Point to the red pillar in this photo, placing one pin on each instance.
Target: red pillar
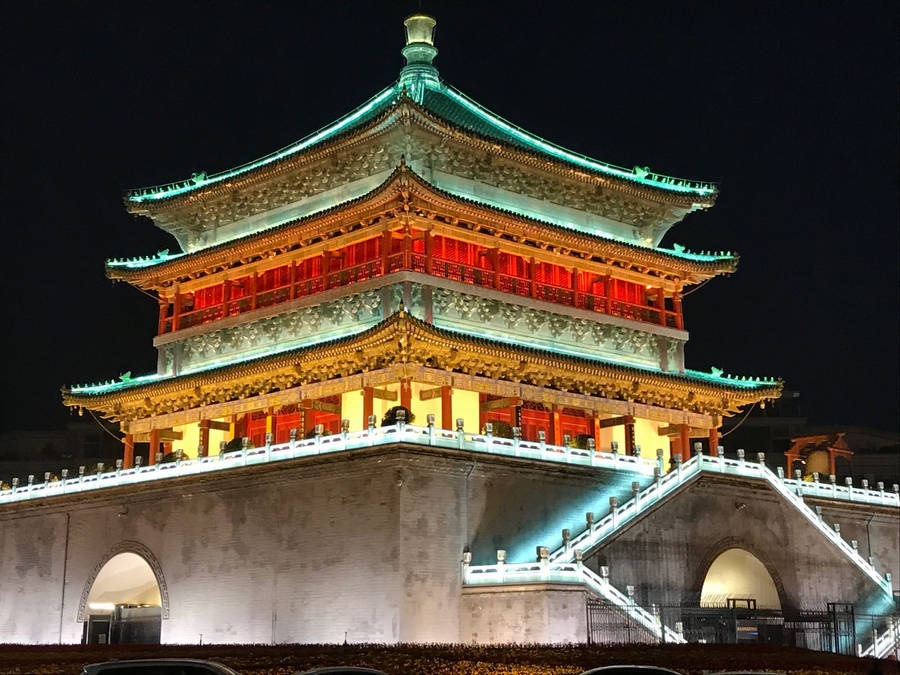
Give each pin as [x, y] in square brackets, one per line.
[326, 267]
[447, 408]
[292, 293]
[629, 435]
[684, 440]
[368, 405]
[226, 296]
[831, 466]
[713, 440]
[128, 458]
[176, 311]
[495, 263]
[555, 426]
[532, 276]
[204, 439]
[386, 239]
[407, 248]
[428, 251]
[154, 446]
[661, 305]
[676, 306]
[163, 310]
[253, 284]
[596, 431]
[406, 393]
[790, 458]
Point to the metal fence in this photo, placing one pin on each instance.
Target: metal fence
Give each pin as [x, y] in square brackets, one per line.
[838, 628]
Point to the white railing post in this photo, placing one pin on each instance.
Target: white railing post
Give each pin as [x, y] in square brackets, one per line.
[720, 456]
[430, 420]
[740, 456]
[501, 564]
[542, 441]
[460, 434]
[345, 432]
[636, 495]
[566, 538]
[269, 438]
[589, 519]
[516, 439]
[677, 459]
[613, 507]
[466, 562]
[370, 429]
[543, 556]
[488, 436]
[661, 469]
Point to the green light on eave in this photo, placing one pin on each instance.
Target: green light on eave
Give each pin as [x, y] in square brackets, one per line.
[146, 261]
[202, 180]
[637, 174]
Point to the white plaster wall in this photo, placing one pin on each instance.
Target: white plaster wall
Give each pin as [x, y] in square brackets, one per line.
[368, 544]
[32, 555]
[527, 613]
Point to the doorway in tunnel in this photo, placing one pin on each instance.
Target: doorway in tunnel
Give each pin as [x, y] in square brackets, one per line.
[124, 605]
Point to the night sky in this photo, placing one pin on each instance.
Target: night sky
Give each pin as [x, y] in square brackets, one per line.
[793, 110]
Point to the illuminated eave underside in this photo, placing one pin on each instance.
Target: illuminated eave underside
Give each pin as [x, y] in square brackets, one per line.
[165, 266]
[495, 130]
[405, 339]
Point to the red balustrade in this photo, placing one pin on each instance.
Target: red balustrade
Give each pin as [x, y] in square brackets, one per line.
[448, 259]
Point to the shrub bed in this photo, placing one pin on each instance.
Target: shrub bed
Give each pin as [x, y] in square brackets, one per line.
[451, 659]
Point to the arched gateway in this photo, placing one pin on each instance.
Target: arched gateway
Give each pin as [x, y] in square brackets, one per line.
[124, 598]
[737, 575]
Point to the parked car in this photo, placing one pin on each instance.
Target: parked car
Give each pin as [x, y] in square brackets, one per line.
[630, 670]
[198, 667]
[158, 667]
[341, 670]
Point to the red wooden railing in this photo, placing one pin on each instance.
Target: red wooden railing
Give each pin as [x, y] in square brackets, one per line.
[181, 314]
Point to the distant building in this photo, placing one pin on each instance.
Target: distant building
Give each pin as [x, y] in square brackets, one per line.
[24, 453]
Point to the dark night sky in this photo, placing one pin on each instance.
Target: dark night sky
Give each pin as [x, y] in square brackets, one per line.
[794, 110]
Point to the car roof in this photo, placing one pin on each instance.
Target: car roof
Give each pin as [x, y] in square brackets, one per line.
[612, 668]
[91, 668]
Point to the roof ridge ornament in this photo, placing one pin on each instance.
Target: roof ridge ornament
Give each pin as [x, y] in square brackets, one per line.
[419, 52]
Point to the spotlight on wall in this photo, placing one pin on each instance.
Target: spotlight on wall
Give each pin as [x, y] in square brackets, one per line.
[740, 506]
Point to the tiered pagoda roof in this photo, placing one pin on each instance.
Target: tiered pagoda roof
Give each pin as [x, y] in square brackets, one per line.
[403, 188]
[421, 100]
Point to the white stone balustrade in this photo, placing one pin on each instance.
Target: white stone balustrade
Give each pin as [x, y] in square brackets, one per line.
[321, 444]
[792, 491]
[568, 572]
